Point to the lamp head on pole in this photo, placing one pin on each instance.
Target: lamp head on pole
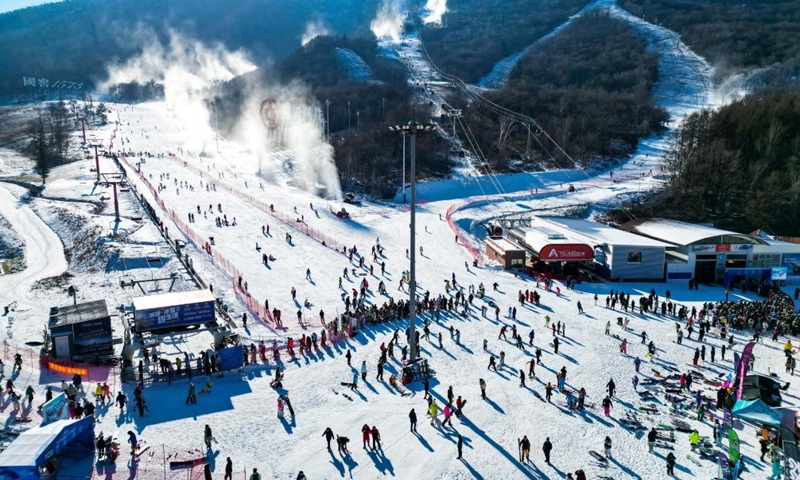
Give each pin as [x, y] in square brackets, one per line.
[413, 128]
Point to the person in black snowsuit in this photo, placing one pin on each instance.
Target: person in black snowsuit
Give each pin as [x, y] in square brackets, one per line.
[412, 417]
[547, 447]
[328, 434]
[670, 464]
[611, 387]
[229, 469]
[342, 443]
[459, 445]
[525, 447]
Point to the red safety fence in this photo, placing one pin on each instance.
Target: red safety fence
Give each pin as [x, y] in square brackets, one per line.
[254, 305]
[269, 209]
[35, 360]
[474, 251]
[462, 239]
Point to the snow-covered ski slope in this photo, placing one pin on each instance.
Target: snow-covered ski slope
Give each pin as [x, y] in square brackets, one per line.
[355, 65]
[684, 86]
[242, 408]
[499, 74]
[44, 252]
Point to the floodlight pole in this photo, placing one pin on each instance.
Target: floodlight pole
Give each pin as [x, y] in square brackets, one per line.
[412, 129]
[404, 169]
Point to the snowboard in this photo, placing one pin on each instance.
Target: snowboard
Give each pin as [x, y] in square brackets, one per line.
[597, 456]
[141, 451]
[206, 389]
[692, 459]
[343, 394]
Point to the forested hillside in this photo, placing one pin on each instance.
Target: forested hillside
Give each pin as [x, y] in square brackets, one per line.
[73, 40]
[735, 33]
[740, 166]
[589, 86]
[477, 33]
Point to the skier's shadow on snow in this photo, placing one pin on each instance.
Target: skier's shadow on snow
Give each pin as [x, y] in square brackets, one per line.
[336, 463]
[625, 469]
[513, 460]
[382, 463]
[351, 464]
[211, 458]
[286, 425]
[472, 471]
[494, 405]
[423, 441]
[570, 359]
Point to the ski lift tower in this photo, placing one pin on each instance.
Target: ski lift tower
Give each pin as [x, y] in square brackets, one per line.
[96, 145]
[412, 129]
[114, 179]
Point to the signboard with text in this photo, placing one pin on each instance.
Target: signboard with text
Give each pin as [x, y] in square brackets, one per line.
[178, 315]
[722, 248]
[566, 253]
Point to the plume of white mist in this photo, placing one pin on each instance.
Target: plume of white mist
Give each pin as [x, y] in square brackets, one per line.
[187, 69]
[435, 9]
[388, 21]
[314, 29]
[298, 140]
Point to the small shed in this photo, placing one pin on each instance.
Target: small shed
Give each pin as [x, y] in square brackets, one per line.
[507, 253]
[26, 457]
[81, 330]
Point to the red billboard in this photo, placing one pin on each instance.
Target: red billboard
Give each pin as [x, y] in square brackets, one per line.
[566, 252]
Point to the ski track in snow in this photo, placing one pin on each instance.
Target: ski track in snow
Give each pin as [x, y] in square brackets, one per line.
[500, 72]
[44, 252]
[355, 65]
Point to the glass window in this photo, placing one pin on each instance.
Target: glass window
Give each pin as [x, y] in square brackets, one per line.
[634, 257]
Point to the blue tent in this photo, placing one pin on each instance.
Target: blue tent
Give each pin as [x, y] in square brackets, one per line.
[758, 412]
[26, 455]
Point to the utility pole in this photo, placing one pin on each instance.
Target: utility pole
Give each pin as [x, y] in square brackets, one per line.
[348, 115]
[358, 120]
[413, 129]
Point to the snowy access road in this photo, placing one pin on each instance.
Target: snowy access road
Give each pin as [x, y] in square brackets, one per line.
[44, 252]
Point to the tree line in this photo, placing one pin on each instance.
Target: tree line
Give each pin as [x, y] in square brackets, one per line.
[739, 166]
[476, 34]
[589, 87]
[734, 33]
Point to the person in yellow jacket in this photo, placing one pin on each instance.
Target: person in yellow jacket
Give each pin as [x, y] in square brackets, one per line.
[98, 393]
[787, 347]
[694, 439]
[433, 410]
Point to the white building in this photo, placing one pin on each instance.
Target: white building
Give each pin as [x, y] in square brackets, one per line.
[712, 255]
[610, 252]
